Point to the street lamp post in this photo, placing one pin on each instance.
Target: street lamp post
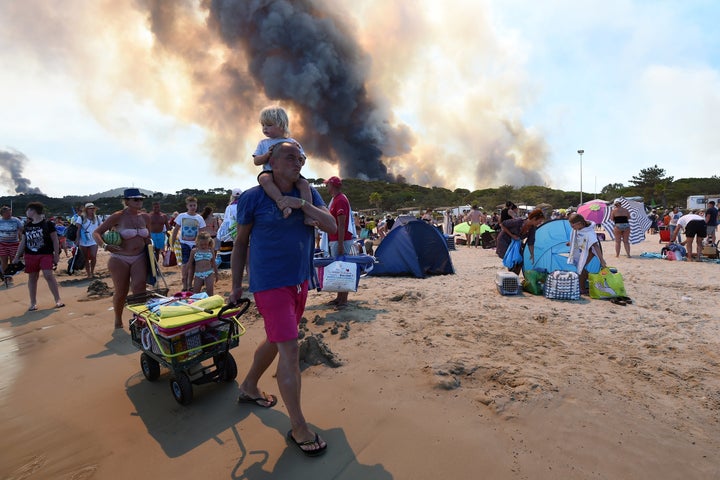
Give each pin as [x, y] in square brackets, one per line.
[581, 154]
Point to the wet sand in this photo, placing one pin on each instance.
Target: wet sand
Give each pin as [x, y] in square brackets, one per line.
[440, 378]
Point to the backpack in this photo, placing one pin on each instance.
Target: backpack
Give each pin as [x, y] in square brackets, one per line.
[76, 262]
[71, 232]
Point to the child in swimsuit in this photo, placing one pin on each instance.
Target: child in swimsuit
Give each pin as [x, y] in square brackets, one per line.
[202, 266]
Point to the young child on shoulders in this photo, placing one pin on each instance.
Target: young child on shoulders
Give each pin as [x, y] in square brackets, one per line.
[275, 126]
[202, 265]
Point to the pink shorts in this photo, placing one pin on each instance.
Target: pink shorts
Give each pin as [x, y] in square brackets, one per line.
[282, 309]
[8, 249]
[35, 263]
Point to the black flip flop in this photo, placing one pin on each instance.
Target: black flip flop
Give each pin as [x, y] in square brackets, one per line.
[618, 301]
[270, 399]
[310, 453]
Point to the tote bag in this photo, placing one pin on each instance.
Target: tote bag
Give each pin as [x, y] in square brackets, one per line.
[607, 283]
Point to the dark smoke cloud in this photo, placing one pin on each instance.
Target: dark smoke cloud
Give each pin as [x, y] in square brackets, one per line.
[300, 53]
[12, 164]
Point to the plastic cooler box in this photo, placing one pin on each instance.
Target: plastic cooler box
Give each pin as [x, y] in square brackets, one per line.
[508, 283]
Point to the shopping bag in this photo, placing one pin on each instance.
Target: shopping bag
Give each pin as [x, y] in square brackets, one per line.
[607, 283]
[562, 285]
[534, 281]
[340, 276]
[512, 255]
[169, 258]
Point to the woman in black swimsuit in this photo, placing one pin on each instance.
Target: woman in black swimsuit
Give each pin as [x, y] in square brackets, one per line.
[621, 216]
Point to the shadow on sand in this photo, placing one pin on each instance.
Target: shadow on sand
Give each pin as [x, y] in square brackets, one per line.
[180, 429]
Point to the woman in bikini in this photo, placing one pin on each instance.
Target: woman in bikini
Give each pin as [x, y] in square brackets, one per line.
[127, 263]
[621, 216]
[202, 266]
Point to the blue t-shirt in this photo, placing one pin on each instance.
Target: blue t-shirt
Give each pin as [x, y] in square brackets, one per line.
[281, 249]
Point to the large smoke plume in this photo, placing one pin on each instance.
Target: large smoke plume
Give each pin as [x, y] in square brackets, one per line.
[12, 164]
[375, 89]
[301, 55]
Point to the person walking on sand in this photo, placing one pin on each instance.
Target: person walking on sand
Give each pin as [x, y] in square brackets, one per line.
[281, 253]
[127, 264]
[10, 232]
[41, 248]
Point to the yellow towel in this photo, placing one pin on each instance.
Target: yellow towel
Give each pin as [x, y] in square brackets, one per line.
[168, 311]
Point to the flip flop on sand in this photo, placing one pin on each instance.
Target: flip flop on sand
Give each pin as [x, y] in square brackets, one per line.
[266, 401]
[59, 305]
[32, 308]
[310, 452]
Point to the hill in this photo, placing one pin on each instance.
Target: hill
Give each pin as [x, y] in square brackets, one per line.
[376, 197]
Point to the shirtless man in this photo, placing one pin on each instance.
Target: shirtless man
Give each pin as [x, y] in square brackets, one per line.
[159, 225]
[475, 218]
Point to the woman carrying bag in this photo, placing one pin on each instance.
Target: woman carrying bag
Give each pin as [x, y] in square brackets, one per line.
[519, 229]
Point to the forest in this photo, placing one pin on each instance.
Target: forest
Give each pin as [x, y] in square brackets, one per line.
[376, 197]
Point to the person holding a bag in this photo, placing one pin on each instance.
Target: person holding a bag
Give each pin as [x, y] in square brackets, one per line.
[584, 246]
[519, 229]
[281, 264]
[340, 210]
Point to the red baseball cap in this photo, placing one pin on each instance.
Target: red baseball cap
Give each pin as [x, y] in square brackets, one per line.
[334, 181]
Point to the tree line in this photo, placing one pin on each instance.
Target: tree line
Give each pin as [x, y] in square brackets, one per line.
[652, 184]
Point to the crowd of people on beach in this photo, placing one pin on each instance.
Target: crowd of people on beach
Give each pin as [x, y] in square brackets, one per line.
[273, 231]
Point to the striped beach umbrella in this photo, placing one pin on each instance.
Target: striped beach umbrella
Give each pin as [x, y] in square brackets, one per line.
[639, 221]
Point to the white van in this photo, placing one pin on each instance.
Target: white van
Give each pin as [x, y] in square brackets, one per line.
[699, 202]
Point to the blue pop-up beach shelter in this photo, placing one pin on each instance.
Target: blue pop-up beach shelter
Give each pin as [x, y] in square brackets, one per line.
[414, 249]
[552, 249]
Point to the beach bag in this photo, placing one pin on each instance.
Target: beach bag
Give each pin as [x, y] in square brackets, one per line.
[71, 232]
[607, 283]
[534, 281]
[562, 285]
[676, 249]
[340, 276]
[169, 258]
[76, 262]
[512, 255]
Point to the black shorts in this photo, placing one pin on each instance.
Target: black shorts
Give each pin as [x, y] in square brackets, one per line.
[696, 228]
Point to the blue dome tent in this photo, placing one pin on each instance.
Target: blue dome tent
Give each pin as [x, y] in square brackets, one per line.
[415, 249]
[552, 250]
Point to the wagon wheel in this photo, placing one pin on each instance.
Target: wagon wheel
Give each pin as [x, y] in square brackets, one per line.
[181, 388]
[150, 367]
[226, 366]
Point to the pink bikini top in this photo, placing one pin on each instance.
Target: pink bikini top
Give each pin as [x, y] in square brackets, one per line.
[134, 232]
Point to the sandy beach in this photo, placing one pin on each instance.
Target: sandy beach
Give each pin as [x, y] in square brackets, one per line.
[439, 378]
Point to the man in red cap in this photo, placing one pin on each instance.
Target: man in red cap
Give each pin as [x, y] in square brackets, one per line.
[341, 242]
